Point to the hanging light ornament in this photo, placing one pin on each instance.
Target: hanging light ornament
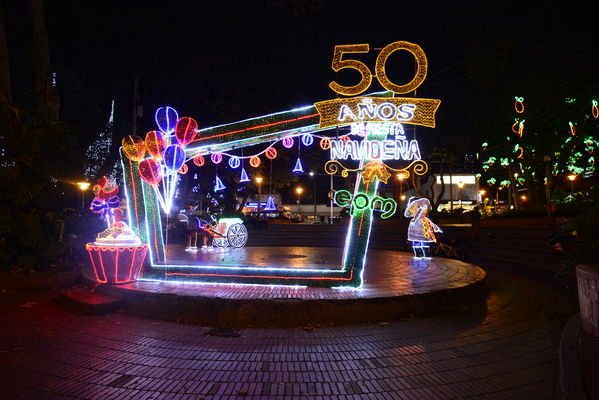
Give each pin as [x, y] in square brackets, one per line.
[572, 128]
[255, 161]
[216, 158]
[325, 143]
[184, 169]
[244, 176]
[199, 161]
[271, 153]
[218, 184]
[298, 169]
[234, 162]
[594, 109]
[307, 139]
[288, 142]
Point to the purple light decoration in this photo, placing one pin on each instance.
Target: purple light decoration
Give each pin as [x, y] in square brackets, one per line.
[270, 204]
[218, 184]
[288, 142]
[307, 139]
[244, 176]
[216, 158]
[166, 118]
[298, 169]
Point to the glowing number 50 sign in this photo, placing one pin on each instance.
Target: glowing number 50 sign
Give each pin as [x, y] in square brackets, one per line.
[381, 60]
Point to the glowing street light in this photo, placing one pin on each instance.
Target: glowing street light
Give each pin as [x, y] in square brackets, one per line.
[460, 186]
[572, 178]
[400, 178]
[299, 191]
[83, 186]
[259, 182]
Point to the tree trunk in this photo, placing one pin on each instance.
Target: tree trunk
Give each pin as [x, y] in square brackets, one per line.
[46, 97]
[5, 88]
[513, 187]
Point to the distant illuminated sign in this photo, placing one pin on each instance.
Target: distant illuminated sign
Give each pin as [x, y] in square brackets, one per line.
[254, 204]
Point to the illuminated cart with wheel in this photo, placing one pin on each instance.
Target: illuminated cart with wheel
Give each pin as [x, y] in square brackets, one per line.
[229, 232]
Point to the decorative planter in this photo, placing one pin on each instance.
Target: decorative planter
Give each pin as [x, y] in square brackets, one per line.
[116, 264]
[588, 297]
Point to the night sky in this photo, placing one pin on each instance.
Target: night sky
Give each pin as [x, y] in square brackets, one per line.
[220, 62]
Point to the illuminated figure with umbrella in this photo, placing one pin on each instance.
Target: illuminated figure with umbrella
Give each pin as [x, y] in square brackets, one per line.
[421, 230]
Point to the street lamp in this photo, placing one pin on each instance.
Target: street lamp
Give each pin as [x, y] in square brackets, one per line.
[259, 182]
[299, 191]
[83, 186]
[460, 186]
[572, 178]
[400, 178]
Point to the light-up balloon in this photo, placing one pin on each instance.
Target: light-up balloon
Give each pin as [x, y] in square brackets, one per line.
[166, 118]
[186, 130]
[150, 171]
[174, 157]
[156, 143]
[134, 147]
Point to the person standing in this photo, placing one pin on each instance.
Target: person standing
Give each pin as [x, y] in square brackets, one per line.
[475, 216]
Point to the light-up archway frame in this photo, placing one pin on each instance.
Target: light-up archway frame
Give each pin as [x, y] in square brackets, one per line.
[144, 209]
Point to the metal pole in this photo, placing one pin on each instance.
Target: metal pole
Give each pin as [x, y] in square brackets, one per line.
[314, 194]
[331, 218]
[259, 198]
[134, 128]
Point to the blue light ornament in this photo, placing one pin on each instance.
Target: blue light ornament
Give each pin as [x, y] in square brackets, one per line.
[166, 118]
[174, 157]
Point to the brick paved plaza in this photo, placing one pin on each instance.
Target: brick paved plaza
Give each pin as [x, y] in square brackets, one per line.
[506, 351]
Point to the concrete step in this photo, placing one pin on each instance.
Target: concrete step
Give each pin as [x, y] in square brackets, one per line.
[88, 301]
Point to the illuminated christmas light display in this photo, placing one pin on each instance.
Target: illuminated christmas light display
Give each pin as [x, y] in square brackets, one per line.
[270, 204]
[234, 162]
[197, 160]
[288, 142]
[117, 255]
[298, 168]
[244, 176]
[421, 230]
[255, 161]
[519, 104]
[379, 137]
[218, 184]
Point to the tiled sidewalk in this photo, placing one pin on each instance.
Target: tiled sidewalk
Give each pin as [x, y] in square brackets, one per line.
[508, 351]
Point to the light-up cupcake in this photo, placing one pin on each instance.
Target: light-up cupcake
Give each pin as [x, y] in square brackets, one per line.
[119, 234]
[117, 255]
